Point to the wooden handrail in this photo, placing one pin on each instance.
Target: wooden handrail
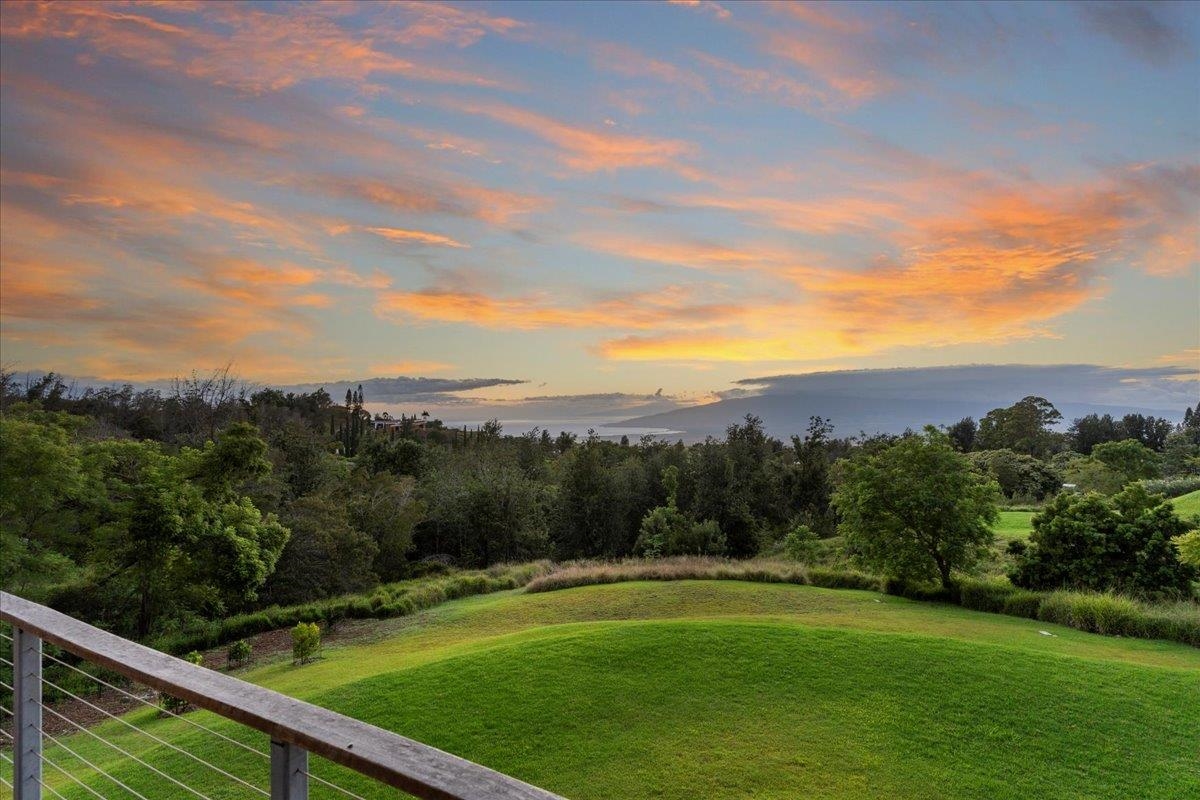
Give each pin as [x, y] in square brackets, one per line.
[389, 758]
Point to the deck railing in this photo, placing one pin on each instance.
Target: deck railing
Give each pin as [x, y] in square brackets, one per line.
[295, 728]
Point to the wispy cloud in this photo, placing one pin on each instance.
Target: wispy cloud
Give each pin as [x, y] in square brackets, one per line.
[587, 149]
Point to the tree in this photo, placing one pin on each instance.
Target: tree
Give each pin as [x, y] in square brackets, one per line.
[666, 531]
[1088, 431]
[1150, 431]
[1180, 455]
[1023, 427]
[810, 487]
[1128, 458]
[1019, 476]
[962, 434]
[172, 534]
[386, 508]
[916, 509]
[326, 555]
[1105, 543]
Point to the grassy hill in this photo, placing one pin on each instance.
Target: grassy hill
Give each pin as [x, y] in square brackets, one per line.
[1188, 505]
[730, 689]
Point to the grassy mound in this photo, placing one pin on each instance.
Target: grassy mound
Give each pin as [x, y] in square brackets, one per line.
[1188, 505]
[729, 689]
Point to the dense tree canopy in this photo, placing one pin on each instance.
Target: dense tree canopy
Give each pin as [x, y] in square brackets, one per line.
[144, 511]
[1024, 427]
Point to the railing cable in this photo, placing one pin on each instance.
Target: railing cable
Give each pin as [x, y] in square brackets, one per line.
[146, 702]
[72, 777]
[59, 743]
[126, 753]
[333, 786]
[49, 788]
[163, 742]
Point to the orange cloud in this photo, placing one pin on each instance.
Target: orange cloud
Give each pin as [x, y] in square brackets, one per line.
[692, 254]
[671, 305]
[590, 150]
[496, 206]
[774, 84]
[625, 60]
[409, 367]
[403, 236]
[257, 50]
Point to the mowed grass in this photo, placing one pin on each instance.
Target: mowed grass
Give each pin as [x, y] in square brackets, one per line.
[1188, 505]
[725, 689]
[1014, 525]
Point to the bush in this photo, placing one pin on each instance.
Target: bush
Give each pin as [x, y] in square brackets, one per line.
[925, 592]
[1097, 543]
[1172, 487]
[239, 654]
[801, 544]
[306, 641]
[1108, 614]
[842, 579]
[381, 603]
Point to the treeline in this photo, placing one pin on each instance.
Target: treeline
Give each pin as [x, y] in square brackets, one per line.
[1031, 460]
[148, 511]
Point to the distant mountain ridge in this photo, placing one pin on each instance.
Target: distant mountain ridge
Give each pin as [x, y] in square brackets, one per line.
[889, 401]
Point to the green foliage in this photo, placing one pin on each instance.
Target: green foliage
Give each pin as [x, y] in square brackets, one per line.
[1188, 546]
[962, 434]
[397, 456]
[800, 544]
[1020, 477]
[1024, 427]
[666, 531]
[326, 555]
[1173, 487]
[239, 653]
[1092, 542]
[381, 602]
[1128, 458]
[1114, 615]
[480, 510]
[1181, 453]
[306, 642]
[916, 509]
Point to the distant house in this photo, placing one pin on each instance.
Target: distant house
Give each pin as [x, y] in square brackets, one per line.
[386, 422]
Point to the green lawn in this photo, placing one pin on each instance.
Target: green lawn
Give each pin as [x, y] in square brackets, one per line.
[1014, 525]
[724, 689]
[1188, 505]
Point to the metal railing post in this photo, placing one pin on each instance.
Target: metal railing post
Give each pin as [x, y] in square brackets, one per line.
[289, 771]
[27, 715]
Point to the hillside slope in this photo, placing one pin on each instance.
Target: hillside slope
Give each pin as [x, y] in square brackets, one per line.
[727, 689]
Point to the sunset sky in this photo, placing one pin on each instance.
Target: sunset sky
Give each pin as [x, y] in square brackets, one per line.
[597, 197]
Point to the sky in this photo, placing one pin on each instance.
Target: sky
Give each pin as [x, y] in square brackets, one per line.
[598, 197]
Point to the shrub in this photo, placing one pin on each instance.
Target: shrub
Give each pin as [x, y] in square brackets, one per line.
[239, 653]
[801, 544]
[1105, 544]
[1172, 487]
[1022, 603]
[306, 641]
[1188, 546]
[842, 579]
[989, 596]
